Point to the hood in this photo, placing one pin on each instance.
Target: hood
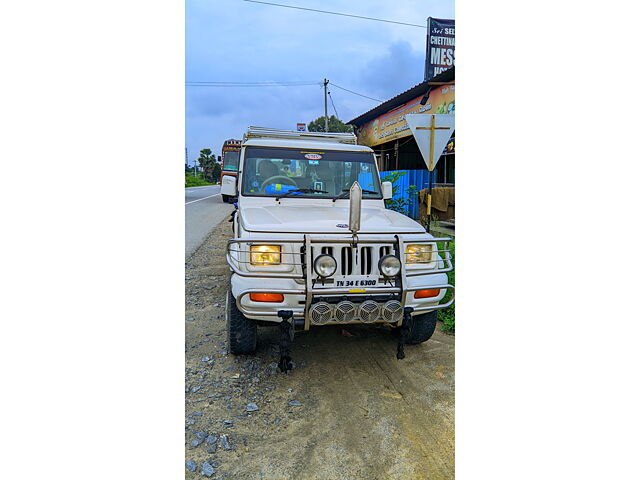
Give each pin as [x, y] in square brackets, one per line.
[324, 219]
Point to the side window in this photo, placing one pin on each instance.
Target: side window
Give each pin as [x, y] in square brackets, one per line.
[251, 179]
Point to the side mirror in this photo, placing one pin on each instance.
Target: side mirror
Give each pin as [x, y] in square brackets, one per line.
[229, 185]
[387, 190]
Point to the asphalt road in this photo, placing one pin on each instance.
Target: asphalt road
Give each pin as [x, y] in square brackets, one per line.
[204, 210]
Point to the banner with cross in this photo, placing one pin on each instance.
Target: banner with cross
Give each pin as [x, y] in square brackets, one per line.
[432, 133]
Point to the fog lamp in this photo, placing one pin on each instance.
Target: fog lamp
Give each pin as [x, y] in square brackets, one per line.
[389, 266]
[325, 265]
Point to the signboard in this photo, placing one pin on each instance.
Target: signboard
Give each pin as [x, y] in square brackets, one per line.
[441, 46]
[302, 127]
[392, 125]
[432, 133]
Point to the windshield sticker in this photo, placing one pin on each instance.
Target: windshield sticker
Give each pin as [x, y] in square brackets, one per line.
[313, 156]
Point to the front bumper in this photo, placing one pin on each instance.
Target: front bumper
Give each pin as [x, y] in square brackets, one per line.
[301, 292]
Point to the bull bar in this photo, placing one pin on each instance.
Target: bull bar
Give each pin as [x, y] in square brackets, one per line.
[302, 270]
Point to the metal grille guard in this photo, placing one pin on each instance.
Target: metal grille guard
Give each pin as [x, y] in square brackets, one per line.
[237, 257]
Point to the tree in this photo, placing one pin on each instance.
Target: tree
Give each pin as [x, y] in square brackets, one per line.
[335, 125]
[207, 161]
[217, 170]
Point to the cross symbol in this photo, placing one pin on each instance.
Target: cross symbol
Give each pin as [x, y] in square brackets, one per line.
[432, 128]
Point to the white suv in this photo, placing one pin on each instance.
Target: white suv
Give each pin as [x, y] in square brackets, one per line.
[314, 244]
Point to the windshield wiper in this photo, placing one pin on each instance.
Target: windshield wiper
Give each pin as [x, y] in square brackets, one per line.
[347, 190]
[301, 190]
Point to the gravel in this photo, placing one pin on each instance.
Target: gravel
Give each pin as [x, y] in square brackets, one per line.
[268, 442]
[191, 465]
[207, 469]
[252, 407]
[224, 441]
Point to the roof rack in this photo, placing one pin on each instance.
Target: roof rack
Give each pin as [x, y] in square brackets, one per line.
[331, 137]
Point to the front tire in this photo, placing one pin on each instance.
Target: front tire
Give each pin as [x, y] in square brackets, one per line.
[225, 198]
[242, 332]
[422, 327]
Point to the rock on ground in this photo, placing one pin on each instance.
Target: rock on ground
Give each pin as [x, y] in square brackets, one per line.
[207, 469]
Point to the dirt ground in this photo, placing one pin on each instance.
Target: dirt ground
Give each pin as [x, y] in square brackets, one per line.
[362, 413]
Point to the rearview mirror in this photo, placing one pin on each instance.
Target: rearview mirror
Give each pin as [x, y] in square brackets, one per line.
[229, 185]
[387, 190]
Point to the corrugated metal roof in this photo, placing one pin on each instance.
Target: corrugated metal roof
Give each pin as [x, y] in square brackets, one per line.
[413, 92]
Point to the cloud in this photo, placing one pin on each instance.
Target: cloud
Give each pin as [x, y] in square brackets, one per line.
[230, 40]
[399, 69]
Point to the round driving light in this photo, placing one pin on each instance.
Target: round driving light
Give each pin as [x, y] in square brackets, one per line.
[389, 266]
[325, 265]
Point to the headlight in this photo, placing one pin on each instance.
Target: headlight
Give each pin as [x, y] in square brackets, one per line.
[325, 265]
[265, 254]
[389, 266]
[422, 253]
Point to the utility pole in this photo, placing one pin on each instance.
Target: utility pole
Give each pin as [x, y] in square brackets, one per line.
[326, 118]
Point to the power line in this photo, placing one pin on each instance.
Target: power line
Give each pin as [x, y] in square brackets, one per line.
[252, 84]
[267, 82]
[336, 13]
[355, 93]
[292, 83]
[334, 106]
[272, 85]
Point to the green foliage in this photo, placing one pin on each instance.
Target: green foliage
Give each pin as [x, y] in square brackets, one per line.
[400, 205]
[217, 170]
[335, 125]
[208, 164]
[190, 180]
[448, 315]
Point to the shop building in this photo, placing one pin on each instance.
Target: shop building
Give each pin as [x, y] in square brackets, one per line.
[385, 130]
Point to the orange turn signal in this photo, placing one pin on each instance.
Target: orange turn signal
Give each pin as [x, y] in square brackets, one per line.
[266, 297]
[427, 293]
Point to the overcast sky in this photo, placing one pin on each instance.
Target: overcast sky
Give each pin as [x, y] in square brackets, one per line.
[234, 40]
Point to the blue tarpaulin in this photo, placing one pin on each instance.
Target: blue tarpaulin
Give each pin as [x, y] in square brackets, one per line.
[419, 178]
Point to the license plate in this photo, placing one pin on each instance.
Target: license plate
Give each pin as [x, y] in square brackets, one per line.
[354, 281]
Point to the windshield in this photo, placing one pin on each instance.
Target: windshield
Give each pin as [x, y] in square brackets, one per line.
[320, 174]
[231, 160]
